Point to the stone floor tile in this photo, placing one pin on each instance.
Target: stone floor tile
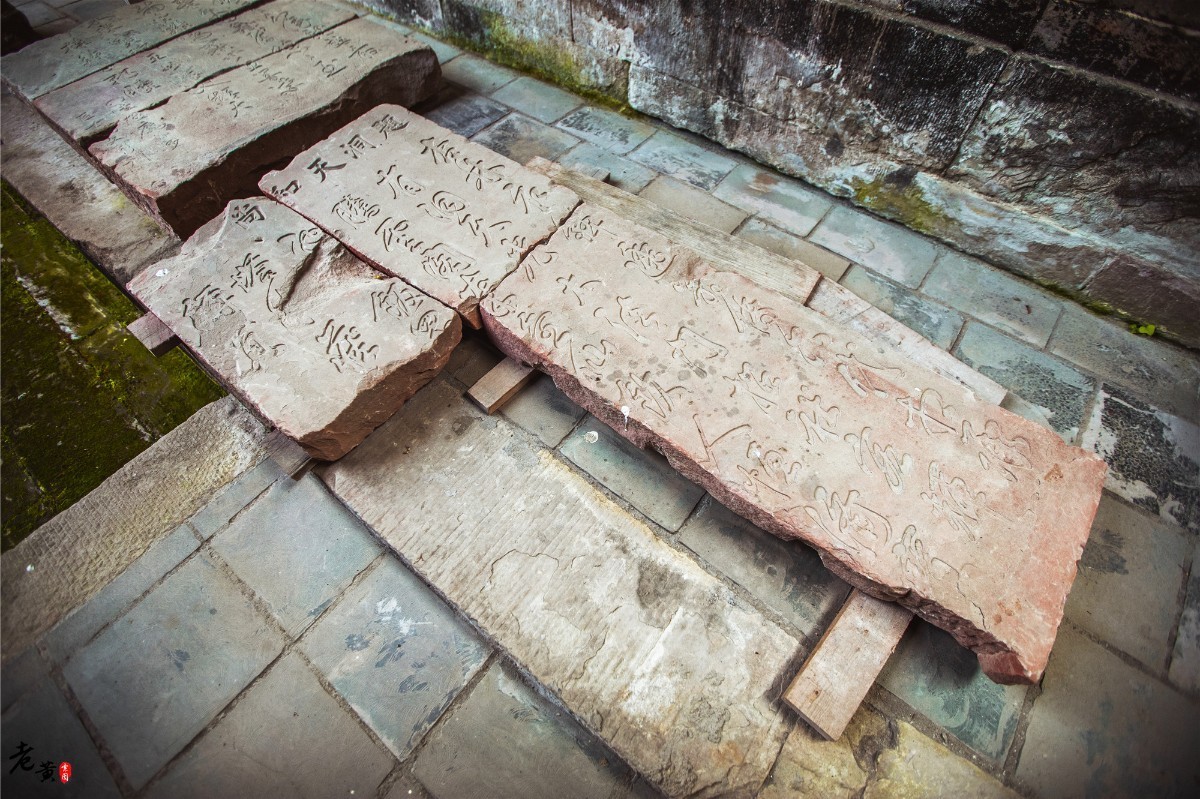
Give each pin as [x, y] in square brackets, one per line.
[931, 319]
[444, 52]
[888, 249]
[610, 130]
[473, 358]
[163, 671]
[674, 155]
[1104, 729]
[52, 3]
[78, 628]
[994, 296]
[544, 411]
[477, 74]
[84, 10]
[297, 548]
[521, 138]
[505, 741]
[462, 111]
[1185, 661]
[1050, 384]
[642, 478]
[396, 652]
[55, 27]
[19, 674]
[1127, 589]
[771, 238]
[39, 13]
[1153, 457]
[623, 173]
[285, 737]
[43, 721]
[540, 100]
[941, 679]
[235, 496]
[784, 201]
[693, 203]
[787, 576]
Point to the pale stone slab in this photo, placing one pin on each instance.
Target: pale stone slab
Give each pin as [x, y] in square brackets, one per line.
[656, 656]
[46, 65]
[320, 344]
[913, 488]
[183, 160]
[90, 107]
[424, 204]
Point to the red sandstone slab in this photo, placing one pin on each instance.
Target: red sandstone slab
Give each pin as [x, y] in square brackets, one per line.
[321, 345]
[46, 65]
[88, 108]
[448, 216]
[183, 160]
[910, 487]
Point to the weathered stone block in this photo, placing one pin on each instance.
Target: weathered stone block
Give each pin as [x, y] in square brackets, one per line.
[297, 326]
[1006, 21]
[1151, 291]
[184, 160]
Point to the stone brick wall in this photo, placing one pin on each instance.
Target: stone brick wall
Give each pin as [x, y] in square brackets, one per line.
[1057, 138]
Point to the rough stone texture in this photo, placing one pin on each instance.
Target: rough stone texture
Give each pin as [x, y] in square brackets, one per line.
[653, 654]
[674, 155]
[520, 138]
[297, 326]
[417, 201]
[88, 108]
[782, 201]
[461, 111]
[46, 65]
[1185, 660]
[544, 411]
[228, 503]
[693, 203]
[932, 320]
[607, 129]
[185, 159]
[918, 487]
[1151, 290]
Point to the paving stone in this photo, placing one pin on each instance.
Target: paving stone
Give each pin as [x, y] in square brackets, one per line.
[478, 74]
[888, 249]
[520, 138]
[55, 27]
[1185, 661]
[92, 9]
[198, 643]
[677, 157]
[505, 741]
[37, 13]
[444, 52]
[446, 215]
[553, 570]
[297, 547]
[779, 241]
[610, 130]
[1060, 391]
[990, 295]
[184, 160]
[278, 311]
[90, 107]
[693, 203]
[932, 320]
[48, 64]
[20, 673]
[539, 100]
[642, 478]
[1130, 577]
[472, 359]
[622, 173]
[396, 653]
[883, 507]
[1103, 728]
[462, 111]
[544, 411]
[232, 498]
[1153, 457]
[781, 200]
[285, 737]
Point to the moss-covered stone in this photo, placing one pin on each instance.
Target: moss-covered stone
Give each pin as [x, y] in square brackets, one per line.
[897, 197]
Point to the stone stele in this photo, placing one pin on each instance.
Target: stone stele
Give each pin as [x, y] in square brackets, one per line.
[417, 201]
[46, 65]
[183, 160]
[88, 108]
[909, 486]
[318, 343]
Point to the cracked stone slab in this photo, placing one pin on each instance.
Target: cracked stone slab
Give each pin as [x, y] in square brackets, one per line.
[321, 345]
[185, 159]
[446, 215]
[657, 657]
[913, 488]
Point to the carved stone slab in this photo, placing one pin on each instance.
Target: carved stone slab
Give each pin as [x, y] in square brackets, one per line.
[183, 160]
[320, 344]
[46, 65]
[450, 217]
[911, 488]
[88, 108]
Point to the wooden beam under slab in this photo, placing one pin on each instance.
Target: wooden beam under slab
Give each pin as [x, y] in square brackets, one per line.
[287, 454]
[500, 384]
[154, 334]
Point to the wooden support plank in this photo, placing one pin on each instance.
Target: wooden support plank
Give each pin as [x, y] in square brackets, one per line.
[500, 384]
[287, 454]
[153, 333]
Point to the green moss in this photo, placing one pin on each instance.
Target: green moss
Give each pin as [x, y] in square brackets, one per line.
[904, 203]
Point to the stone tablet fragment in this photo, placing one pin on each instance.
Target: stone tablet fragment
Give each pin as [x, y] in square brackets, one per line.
[46, 65]
[321, 345]
[450, 217]
[911, 488]
[88, 108]
[183, 160]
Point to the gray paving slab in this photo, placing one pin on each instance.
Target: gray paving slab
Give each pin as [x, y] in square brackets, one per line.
[931, 319]
[477, 73]
[686, 199]
[1185, 660]
[463, 111]
[506, 742]
[537, 99]
[235, 496]
[622, 173]
[194, 643]
[522, 138]
[544, 411]
[20, 673]
[888, 249]
[781, 200]
[396, 653]
[677, 157]
[92, 9]
[285, 737]
[297, 548]
[769, 237]
[642, 478]
[610, 130]
[38, 13]
[444, 52]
